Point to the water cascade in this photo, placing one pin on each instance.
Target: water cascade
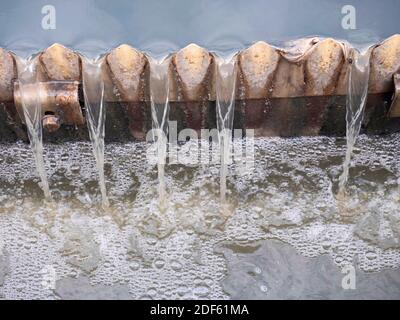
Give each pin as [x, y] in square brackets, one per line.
[355, 105]
[173, 238]
[225, 106]
[93, 89]
[29, 88]
[159, 94]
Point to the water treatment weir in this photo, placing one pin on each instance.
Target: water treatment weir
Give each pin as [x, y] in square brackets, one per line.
[299, 91]
[230, 167]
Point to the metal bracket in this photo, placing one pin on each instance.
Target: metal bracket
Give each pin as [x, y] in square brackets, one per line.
[59, 102]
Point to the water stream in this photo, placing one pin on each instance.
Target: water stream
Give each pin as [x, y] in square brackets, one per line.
[159, 100]
[93, 89]
[32, 110]
[225, 107]
[355, 105]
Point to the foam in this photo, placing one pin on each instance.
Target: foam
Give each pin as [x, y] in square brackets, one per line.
[288, 197]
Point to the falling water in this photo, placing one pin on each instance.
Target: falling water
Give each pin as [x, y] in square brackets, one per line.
[93, 89]
[355, 105]
[30, 92]
[159, 92]
[225, 94]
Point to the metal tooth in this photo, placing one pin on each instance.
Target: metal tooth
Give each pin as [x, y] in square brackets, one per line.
[127, 67]
[192, 85]
[311, 68]
[258, 64]
[385, 61]
[192, 65]
[60, 63]
[125, 81]
[323, 67]
[51, 123]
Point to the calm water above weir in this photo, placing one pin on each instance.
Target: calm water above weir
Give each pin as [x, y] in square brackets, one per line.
[131, 250]
[93, 26]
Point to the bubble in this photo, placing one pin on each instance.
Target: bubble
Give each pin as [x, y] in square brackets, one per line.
[371, 255]
[134, 266]
[177, 254]
[176, 265]
[201, 291]
[159, 263]
[264, 288]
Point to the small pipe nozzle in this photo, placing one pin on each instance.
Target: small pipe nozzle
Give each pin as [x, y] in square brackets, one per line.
[51, 122]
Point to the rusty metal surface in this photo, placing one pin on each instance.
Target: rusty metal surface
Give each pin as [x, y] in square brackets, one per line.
[313, 67]
[7, 75]
[126, 69]
[385, 61]
[193, 70]
[280, 91]
[395, 107]
[59, 98]
[257, 68]
[51, 123]
[193, 87]
[60, 63]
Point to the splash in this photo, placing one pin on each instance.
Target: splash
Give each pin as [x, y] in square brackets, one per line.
[159, 94]
[225, 103]
[93, 89]
[355, 105]
[32, 110]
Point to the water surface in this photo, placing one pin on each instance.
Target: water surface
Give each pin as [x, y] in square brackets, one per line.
[284, 210]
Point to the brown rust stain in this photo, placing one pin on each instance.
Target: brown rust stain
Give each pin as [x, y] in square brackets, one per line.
[192, 67]
[59, 98]
[7, 75]
[394, 111]
[127, 68]
[257, 67]
[385, 61]
[60, 63]
[192, 84]
[289, 80]
[323, 67]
